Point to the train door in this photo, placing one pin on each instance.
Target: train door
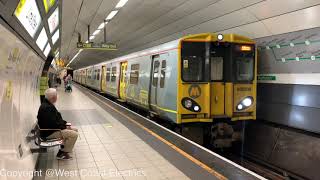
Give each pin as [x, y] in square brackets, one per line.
[217, 57]
[123, 75]
[155, 102]
[103, 79]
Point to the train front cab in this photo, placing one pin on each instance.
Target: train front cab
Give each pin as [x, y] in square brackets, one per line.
[217, 84]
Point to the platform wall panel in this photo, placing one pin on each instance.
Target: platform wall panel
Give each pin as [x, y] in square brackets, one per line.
[20, 69]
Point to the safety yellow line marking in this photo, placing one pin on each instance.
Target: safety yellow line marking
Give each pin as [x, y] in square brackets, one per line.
[196, 161]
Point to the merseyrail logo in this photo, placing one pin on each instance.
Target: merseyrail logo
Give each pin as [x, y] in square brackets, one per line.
[194, 91]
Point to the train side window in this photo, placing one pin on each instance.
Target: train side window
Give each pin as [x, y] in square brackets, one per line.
[108, 74]
[155, 73]
[134, 74]
[98, 76]
[163, 73]
[113, 74]
[216, 68]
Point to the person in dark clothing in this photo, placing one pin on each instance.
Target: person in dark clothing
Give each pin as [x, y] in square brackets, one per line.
[50, 118]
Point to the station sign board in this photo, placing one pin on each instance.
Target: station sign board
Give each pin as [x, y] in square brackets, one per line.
[101, 46]
[267, 78]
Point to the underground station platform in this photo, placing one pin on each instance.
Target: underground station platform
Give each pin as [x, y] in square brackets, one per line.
[117, 143]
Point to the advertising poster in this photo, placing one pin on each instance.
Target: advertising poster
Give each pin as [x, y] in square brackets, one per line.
[48, 4]
[28, 14]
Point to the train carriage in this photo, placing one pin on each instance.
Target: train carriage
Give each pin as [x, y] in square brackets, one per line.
[204, 78]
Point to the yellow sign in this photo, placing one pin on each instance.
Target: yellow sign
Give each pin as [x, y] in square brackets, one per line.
[9, 90]
[185, 64]
[19, 7]
[48, 4]
[60, 62]
[194, 91]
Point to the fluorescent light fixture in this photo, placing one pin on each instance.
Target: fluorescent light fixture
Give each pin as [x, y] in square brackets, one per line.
[29, 16]
[57, 55]
[96, 32]
[53, 20]
[42, 39]
[55, 36]
[112, 14]
[121, 3]
[92, 37]
[74, 57]
[47, 50]
[101, 26]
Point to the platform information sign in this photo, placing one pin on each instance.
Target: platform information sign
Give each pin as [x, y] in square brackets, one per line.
[101, 46]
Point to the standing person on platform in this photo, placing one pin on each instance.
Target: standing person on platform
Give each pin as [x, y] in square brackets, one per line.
[69, 79]
[50, 118]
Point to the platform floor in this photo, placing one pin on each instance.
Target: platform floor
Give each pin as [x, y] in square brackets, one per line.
[106, 149]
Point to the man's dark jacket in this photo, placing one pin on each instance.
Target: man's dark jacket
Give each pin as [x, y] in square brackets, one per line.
[49, 118]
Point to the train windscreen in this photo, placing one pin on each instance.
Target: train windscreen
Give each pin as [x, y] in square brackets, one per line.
[244, 62]
[193, 61]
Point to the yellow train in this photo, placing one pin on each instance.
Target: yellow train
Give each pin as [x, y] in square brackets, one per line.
[208, 79]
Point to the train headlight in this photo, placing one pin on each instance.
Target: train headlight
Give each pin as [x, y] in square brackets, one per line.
[196, 108]
[220, 37]
[245, 103]
[188, 103]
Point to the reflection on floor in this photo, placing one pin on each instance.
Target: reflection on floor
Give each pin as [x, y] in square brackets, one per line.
[106, 149]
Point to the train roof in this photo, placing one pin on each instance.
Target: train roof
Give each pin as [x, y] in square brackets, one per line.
[174, 44]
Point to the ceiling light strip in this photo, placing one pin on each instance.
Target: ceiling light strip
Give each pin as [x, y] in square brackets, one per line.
[96, 32]
[121, 3]
[74, 57]
[112, 14]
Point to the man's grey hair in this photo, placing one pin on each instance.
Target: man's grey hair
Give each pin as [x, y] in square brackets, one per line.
[50, 93]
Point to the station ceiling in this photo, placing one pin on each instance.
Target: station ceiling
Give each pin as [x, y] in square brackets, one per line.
[145, 23]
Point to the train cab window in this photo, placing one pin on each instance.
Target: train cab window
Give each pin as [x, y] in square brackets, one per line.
[244, 62]
[244, 68]
[163, 73]
[216, 68]
[113, 74]
[155, 73]
[134, 74]
[193, 61]
[108, 74]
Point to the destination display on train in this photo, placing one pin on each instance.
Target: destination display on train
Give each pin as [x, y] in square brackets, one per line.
[102, 46]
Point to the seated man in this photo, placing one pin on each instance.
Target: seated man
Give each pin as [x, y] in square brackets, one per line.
[50, 118]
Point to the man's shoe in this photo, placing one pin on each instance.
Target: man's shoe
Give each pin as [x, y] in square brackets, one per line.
[63, 156]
